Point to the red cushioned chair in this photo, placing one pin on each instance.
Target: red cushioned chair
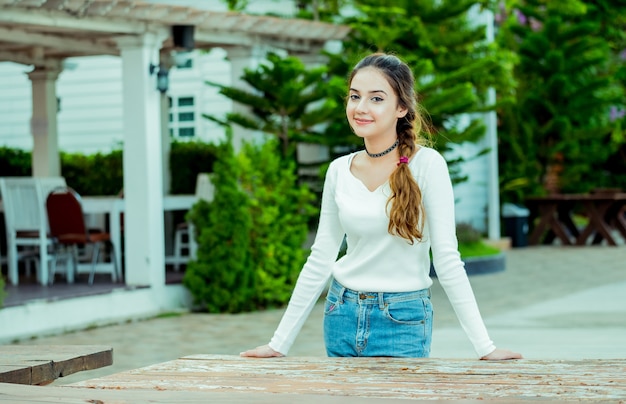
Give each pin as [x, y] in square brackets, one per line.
[67, 227]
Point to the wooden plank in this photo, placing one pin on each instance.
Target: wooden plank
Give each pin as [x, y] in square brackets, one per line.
[380, 378]
[22, 394]
[14, 374]
[42, 364]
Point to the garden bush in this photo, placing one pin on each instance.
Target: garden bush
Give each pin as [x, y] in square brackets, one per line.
[220, 279]
[250, 236]
[280, 210]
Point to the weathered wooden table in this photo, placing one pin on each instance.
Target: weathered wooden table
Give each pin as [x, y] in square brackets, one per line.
[211, 378]
[42, 364]
[554, 212]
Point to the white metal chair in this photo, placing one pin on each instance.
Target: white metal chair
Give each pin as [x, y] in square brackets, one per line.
[184, 242]
[26, 221]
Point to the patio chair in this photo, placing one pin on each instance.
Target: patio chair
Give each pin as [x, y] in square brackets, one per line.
[67, 227]
[184, 242]
[26, 225]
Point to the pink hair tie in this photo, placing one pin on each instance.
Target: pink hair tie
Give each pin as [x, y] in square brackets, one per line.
[404, 160]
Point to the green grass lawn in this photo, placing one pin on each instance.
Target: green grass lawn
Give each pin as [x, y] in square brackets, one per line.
[477, 249]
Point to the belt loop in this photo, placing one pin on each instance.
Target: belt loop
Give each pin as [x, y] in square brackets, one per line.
[381, 300]
[340, 290]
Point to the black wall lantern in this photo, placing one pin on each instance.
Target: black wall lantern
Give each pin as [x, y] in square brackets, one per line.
[163, 80]
[183, 40]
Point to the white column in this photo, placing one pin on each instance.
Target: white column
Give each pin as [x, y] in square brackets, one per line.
[143, 166]
[491, 121]
[166, 145]
[493, 207]
[309, 152]
[486, 18]
[166, 142]
[43, 123]
[240, 58]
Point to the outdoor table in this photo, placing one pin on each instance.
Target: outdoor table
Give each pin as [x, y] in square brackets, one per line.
[214, 378]
[554, 213]
[42, 364]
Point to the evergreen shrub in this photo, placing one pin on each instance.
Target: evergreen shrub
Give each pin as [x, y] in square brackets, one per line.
[280, 210]
[221, 279]
[250, 236]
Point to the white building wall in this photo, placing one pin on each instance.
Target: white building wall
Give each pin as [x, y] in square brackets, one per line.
[90, 100]
[472, 195]
[15, 106]
[207, 65]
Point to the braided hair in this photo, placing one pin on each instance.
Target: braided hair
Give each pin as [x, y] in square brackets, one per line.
[405, 207]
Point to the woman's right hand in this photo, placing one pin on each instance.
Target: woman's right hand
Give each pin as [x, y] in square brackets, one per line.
[263, 351]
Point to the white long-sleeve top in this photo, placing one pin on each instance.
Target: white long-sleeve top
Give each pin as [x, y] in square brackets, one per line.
[376, 261]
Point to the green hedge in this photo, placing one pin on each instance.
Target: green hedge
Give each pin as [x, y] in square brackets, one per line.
[102, 173]
[189, 159]
[14, 162]
[94, 174]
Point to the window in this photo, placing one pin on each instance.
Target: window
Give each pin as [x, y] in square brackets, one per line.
[182, 117]
[187, 65]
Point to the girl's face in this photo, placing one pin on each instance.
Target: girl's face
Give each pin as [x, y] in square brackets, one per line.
[372, 108]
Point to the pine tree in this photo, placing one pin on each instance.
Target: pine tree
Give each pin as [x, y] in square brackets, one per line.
[557, 131]
[285, 100]
[611, 15]
[451, 60]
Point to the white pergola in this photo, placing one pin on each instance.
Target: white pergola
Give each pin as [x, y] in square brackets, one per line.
[43, 33]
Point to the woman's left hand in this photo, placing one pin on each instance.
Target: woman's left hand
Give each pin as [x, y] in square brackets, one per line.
[501, 354]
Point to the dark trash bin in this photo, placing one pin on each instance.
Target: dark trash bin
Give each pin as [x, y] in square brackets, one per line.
[515, 220]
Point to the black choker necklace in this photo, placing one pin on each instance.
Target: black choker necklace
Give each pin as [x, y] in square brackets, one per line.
[382, 153]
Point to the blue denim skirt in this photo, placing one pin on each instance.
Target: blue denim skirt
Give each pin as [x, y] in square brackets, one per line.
[377, 323]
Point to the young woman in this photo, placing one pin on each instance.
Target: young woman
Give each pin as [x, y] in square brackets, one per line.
[394, 203]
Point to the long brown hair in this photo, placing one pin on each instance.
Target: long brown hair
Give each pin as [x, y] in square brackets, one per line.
[406, 216]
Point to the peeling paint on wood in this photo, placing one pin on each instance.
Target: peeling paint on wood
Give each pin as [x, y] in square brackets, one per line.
[443, 379]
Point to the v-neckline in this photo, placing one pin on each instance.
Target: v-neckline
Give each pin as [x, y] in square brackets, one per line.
[371, 191]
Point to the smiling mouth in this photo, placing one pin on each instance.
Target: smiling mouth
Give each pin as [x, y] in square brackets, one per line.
[362, 121]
